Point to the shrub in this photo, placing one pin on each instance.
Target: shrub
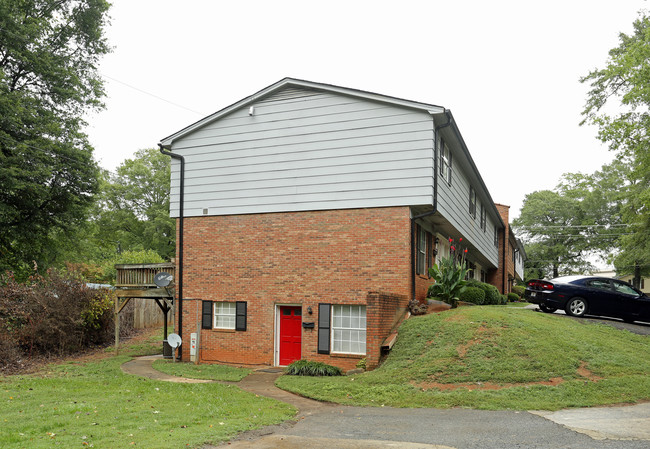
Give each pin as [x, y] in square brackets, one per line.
[475, 295]
[519, 290]
[55, 313]
[492, 295]
[513, 297]
[309, 368]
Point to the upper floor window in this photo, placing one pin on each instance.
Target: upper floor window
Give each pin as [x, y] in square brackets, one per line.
[496, 237]
[483, 218]
[420, 266]
[445, 162]
[472, 201]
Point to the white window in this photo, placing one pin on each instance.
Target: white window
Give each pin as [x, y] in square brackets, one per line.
[472, 201]
[445, 162]
[421, 251]
[224, 315]
[349, 329]
[483, 218]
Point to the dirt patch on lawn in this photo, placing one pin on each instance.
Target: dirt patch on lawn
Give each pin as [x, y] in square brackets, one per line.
[582, 371]
[424, 386]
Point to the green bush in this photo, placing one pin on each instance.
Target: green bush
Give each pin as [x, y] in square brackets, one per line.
[519, 290]
[309, 368]
[513, 297]
[492, 295]
[475, 295]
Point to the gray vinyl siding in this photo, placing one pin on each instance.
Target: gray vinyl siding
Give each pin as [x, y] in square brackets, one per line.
[306, 150]
[453, 204]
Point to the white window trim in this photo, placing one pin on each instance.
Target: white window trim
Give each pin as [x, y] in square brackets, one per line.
[359, 329]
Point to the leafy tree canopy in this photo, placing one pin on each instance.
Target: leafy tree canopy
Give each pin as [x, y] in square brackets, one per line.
[576, 222]
[49, 51]
[619, 105]
[551, 223]
[134, 206]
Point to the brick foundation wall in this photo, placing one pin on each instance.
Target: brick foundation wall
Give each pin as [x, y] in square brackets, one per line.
[295, 258]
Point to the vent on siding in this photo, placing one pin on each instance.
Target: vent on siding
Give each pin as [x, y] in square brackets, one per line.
[205, 211]
[290, 93]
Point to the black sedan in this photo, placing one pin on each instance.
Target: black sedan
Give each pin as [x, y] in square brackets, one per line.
[580, 295]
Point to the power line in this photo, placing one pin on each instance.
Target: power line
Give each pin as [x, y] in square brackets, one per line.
[537, 227]
[152, 95]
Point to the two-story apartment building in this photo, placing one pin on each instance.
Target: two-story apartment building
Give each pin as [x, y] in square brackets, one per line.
[308, 217]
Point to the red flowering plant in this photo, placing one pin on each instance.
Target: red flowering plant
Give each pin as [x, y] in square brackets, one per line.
[449, 275]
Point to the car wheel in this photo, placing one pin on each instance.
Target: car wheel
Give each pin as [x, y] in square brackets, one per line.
[576, 307]
[546, 309]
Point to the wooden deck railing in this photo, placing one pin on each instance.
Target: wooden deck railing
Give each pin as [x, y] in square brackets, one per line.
[141, 275]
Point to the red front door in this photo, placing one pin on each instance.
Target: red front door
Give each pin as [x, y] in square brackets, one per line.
[290, 334]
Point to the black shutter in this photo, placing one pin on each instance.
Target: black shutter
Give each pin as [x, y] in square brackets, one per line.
[240, 316]
[206, 314]
[324, 328]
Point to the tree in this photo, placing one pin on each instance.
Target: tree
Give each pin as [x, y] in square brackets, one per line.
[49, 53]
[619, 105]
[553, 226]
[577, 221]
[134, 206]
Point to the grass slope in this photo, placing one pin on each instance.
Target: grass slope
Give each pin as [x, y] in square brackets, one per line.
[94, 404]
[493, 357]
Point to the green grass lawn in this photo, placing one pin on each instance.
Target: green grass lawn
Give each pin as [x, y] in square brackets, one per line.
[493, 357]
[211, 372]
[94, 404]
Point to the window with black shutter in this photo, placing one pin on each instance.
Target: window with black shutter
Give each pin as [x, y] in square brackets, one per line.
[324, 328]
[206, 314]
[240, 316]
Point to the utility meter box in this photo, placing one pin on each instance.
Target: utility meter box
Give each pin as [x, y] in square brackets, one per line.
[193, 340]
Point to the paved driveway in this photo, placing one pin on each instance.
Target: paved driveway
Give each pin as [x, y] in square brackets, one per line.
[329, 426]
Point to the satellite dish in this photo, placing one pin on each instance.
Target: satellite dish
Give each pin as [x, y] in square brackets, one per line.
[162, 279]
[174, 340]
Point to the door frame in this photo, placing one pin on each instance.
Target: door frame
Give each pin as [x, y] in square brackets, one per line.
[276, 332]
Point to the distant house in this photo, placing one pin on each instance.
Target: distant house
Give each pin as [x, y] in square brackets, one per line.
[312, 213]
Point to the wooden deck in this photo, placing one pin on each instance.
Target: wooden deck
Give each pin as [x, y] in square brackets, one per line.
[136, 280]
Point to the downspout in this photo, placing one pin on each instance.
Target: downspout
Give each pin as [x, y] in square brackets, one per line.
[165, 151]
[435, 200]
[504, 276]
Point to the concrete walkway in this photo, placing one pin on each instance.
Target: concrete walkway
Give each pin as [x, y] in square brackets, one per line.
[602, 423]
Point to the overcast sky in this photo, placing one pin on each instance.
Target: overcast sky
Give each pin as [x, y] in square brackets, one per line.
[508, 70]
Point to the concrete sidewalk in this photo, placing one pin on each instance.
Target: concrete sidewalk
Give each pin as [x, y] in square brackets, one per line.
[611, 423]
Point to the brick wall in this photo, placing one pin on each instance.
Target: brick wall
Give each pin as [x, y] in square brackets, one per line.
[499, 277]
[301, 258]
